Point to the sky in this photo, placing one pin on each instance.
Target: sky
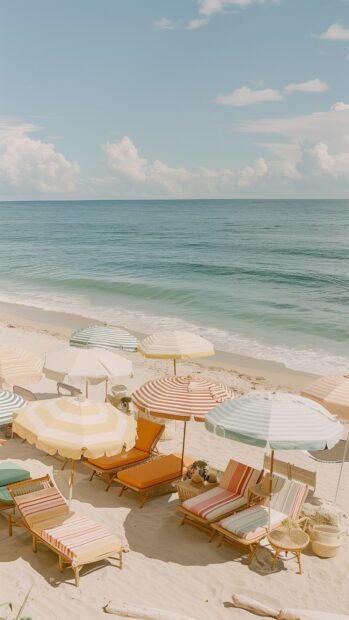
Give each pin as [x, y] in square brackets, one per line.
[115, 99]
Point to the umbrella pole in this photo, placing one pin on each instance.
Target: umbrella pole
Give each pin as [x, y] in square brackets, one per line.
[86, 388]
[71, 481]
[270, 487]
[341, 469]
[183, 447]
[174, 367]
[106, 387]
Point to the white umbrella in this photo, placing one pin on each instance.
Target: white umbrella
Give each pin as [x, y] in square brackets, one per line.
[104, 336]
[19, 366]
[175, 345]
[277, 421]
[90, 365]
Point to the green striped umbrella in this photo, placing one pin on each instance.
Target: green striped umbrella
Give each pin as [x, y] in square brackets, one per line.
[106, 337]
[9, 402]
[275, 420]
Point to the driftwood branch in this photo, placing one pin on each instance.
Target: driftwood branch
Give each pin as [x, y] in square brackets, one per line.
[145, 613]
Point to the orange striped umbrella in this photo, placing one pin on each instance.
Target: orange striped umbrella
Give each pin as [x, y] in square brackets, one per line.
[181, 398]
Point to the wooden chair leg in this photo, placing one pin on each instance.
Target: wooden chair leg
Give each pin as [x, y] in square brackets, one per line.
[122, 490]
[142, 498]
[299, 562]
[92, 475]
[60, 564]
[34, 544]
[10, 525]
[183, 520]
[120, 559]
[76, 570]
[220, 540]
[213, 534]
[110, 481]
[253, 551]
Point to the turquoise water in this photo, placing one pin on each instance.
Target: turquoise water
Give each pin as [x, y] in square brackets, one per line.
[268, 279]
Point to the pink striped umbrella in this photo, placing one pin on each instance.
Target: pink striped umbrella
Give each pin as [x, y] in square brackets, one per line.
[181, 398]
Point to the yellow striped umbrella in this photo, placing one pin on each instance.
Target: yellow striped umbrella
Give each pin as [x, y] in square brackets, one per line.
[18, 366]
[181, 398]
[74, 427]
[175, 345]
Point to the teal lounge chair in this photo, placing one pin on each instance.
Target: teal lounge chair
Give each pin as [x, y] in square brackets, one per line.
[9, 474]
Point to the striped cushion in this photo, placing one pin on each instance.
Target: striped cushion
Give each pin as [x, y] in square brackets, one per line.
[214, 504]
[290, 497]
[252, 522]
[41, 505]
[238, 477]
[78, 538]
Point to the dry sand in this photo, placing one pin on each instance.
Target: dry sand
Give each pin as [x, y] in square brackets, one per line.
[168, 566]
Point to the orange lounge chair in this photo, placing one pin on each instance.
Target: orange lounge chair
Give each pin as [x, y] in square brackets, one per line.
[159, 472]
[148, 435]
[76, 539]
[232, 494]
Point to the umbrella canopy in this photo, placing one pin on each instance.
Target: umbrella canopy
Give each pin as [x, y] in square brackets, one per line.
[277, 420]
[106, 337]
[175, 345]
[19, 366]
[180, 398]
[8, 403]
[332, 392]
[73, 427]
[91, 365]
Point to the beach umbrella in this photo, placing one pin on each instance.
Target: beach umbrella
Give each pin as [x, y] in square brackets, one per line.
[275, 420]
[333, 393]
[104, 336]
[175, 345]
[19, 366]
[9, 402]
[181, 398]
[90, 365]
[75, 427]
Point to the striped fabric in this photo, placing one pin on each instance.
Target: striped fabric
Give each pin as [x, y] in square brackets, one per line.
[18, 366]
[9, 402]
[332, 392]
[252, 522]
[279, 420]
[214, 504]
[175, 345]
[231, 494]
[41, 505]
[184, 398]
[74, 427]
[290, 498]
[79, 538]
[238, 477]
[106, 337]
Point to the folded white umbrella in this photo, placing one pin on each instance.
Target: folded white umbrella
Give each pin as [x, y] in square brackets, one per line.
[90, 365]
[19, 366]
[175, 345]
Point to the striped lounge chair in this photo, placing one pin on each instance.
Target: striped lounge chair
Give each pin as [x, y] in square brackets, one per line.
[76, 539]
[231, 495]
[148, 435]
[250, 526]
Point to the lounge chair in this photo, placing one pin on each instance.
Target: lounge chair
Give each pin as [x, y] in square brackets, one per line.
[156, 474]
[250, 526]
[25, 393]
[76, 539]
[148, 435]
[232, 494]
[9, 474]
[68, 390]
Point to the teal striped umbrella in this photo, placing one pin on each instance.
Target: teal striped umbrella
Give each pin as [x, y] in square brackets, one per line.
[9, 402]
[106, 337]
[275, 420]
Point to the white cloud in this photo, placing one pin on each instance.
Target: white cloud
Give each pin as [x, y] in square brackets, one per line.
[335, 165]
[123, 158]
[311, 86]
[164, 24]
[29, 164]
[247, 96]
[340, 106]
[335, 32]
[195, 24]
[154, 177]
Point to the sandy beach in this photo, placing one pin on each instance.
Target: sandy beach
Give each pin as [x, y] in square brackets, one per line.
[167, 567]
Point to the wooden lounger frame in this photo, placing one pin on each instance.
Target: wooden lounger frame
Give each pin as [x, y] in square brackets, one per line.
[19, 488]
[143, 493]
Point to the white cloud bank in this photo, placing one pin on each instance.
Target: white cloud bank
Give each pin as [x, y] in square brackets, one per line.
[124, 161]
[27, 164]
[311, 86]
[245, 96]
[335, 32]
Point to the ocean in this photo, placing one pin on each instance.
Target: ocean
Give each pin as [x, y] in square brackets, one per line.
[263, 278]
